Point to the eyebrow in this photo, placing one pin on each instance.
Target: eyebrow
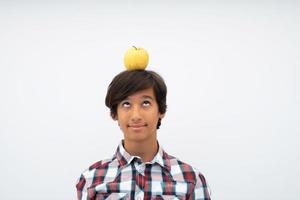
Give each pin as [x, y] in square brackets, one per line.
[143, 97]
[146, 97]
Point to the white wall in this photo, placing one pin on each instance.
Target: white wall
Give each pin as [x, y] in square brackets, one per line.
[232, 71]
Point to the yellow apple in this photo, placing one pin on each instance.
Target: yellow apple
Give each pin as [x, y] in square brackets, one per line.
[136, 59]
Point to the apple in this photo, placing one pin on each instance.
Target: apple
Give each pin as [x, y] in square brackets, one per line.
[136, 59]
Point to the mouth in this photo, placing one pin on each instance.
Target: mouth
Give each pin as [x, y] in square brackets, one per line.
[137, 127]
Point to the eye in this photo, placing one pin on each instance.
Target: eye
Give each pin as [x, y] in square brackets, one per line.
[146, 103]
[125, 104]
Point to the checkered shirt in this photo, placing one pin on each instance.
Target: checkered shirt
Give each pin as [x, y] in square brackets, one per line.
[127, 177]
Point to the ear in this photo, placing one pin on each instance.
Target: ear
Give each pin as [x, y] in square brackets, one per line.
[115, 118]
[161, 115]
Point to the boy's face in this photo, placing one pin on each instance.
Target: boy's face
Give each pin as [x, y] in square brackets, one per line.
[138, 115]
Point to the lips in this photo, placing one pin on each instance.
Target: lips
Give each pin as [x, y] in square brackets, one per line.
[137, 125]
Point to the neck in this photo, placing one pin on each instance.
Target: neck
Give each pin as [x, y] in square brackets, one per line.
[145, 150]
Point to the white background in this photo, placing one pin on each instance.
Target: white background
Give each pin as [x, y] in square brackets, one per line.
[232, 71]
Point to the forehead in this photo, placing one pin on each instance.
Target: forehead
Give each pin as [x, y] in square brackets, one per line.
[142, 94]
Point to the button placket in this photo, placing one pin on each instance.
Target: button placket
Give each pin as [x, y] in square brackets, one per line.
[141, 168]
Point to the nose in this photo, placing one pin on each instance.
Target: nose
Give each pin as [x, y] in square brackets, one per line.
[135, 114]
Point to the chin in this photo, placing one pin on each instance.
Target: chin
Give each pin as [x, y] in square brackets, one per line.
[136, 138]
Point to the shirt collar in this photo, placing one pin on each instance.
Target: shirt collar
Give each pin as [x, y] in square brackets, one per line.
[124, 158]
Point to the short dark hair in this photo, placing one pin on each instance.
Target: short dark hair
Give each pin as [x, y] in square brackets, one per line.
[127, 83]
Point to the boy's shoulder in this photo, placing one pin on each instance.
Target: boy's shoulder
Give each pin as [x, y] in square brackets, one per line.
[94, 172]
[183, 171]
[101, 165]
[104, 164]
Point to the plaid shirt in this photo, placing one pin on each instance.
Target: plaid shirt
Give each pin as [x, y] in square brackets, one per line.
[126, 177]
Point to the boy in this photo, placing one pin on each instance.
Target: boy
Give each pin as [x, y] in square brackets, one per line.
[140, 168]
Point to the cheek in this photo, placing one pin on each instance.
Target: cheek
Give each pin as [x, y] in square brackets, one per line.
[122, 120]
[154, 118]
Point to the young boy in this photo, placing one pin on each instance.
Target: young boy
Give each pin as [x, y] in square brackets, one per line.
[140, 168]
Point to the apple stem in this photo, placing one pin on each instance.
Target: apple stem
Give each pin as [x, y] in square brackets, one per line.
[135, 47]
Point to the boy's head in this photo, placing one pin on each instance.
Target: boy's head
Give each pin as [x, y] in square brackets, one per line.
[129, 82]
